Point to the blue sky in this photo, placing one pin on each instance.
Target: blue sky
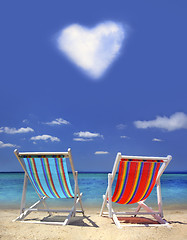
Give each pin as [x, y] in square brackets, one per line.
[97, 76]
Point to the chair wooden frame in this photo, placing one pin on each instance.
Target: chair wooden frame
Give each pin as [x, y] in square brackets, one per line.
[107, 198]
[77, 195]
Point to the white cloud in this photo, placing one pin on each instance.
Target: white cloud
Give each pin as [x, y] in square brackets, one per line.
[58, 121]
[87, 134]
[3, 145]
[176, 121]
[123, 137]
[15, 131]
[82, 139]
[156, 140]
[45, 138]
[92, 50]
[121, 126]
[101, 152]
[26, 121]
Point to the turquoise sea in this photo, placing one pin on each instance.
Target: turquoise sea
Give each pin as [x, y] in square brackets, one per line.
[93, 186]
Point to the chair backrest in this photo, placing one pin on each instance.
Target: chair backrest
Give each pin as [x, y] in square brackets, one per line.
[136, 178]
[47, 173]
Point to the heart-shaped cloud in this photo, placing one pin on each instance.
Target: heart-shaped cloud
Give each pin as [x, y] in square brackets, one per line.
[92, 50]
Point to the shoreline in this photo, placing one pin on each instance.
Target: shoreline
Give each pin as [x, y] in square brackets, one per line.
[96, 207]
[92, 226]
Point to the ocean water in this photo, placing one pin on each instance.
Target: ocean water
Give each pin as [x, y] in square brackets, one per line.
[93, 186]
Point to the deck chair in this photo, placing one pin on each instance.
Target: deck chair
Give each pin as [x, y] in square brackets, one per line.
[136, 179]
[48, 174]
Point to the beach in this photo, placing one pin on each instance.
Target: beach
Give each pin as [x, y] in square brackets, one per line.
[93, 115]
[92, 226]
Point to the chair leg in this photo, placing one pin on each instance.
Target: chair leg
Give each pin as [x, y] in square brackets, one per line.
[104, 202]
[45, 205]
[159, 199]
[156, 216]
[23, 199]
[27, 211]
[75, 195]
[71, 214]
[80, 201]
[137, 210]
[110, 195]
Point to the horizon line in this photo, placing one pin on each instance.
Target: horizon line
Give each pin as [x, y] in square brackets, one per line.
[166, 172]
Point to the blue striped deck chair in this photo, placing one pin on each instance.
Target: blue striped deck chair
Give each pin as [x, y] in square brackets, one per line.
[48, 174]
[136, 179]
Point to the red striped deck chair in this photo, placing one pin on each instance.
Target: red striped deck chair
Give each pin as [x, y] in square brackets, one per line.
[48, 174]
[136, 179]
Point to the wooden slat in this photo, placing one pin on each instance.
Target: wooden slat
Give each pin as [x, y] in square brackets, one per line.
[144, 158]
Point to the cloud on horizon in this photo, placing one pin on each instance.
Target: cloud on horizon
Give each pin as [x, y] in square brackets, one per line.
[45, 138]
[92, 50]
[15, 131]
[58, 121]
[176, 121]
[4, 145]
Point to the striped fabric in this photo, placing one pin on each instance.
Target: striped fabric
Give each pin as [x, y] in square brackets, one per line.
[49, 175]
[136, 179]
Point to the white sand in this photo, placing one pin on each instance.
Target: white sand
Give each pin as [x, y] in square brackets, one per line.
[90, 227]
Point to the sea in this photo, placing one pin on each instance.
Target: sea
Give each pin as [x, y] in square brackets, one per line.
[93, 185]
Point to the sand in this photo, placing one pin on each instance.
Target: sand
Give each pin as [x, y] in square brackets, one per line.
[92, 226]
